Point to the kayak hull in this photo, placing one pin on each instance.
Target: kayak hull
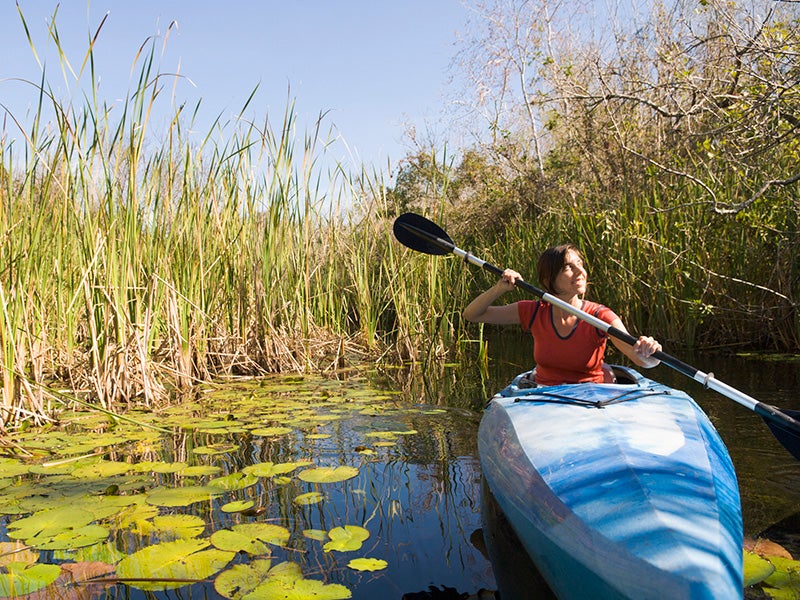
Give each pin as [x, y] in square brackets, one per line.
[616, 490]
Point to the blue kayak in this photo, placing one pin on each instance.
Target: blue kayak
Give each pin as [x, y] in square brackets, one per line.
[620, 490]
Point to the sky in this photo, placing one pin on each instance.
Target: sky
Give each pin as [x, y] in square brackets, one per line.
[373, 66]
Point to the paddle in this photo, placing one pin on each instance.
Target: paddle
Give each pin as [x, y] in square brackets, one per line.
[418, 233]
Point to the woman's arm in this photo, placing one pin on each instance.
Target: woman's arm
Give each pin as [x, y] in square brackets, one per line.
[482, 309]
[640, 352]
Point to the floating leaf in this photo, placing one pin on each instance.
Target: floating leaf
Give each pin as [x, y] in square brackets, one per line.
[266, 532]
[21, 579]
[756, 569]
[268, 469]
[165, 467]
[200, 470]
[11, 467]
[237, 506]
[285, 581]
[214, 449]
[346, 539]
[45, 524]
[785, 581]
[328, 474]
[319, 436]
[179, 526]
[242, 579]
[234, 481]
[184, 496]
[309, 498]
[238, 541]
[271, 431]
[77, 537]
[178, 560]
[367, 564]
[102, 469]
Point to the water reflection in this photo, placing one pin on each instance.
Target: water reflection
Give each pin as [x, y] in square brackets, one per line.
[418, 488]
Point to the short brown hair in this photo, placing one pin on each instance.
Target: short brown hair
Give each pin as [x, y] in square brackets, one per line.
[551, 262]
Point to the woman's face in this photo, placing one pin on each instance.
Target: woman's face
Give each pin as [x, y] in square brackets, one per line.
[571, 280]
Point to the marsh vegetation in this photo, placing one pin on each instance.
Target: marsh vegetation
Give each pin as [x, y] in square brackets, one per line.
[137, 264]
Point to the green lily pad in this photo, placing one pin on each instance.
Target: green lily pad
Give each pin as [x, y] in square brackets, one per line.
[346, 539]
[266, 532]
[179, 526]
[309, 498]
[183, 496]
[21, 579]
[238, 541]
[237, 506]
[214, 449]
[367, 564]
[11, 467]
[756, 569]
[784, 583]
[271, 431]
[242, 579]
[200, 470]
[268, 469]
[48, 523]
[102, 469]
[286, 581]
[78, 537]
[234, 481]
[177, 560]
[328, 474]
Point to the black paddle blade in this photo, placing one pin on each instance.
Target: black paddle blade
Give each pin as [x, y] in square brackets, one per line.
[422, 235]
[786, 434]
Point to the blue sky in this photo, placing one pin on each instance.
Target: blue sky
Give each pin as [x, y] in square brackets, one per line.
[373, 65]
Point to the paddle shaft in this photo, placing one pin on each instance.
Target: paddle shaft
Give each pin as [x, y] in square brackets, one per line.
[707, 379]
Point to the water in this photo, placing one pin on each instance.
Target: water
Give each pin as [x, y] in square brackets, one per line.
[418, 490]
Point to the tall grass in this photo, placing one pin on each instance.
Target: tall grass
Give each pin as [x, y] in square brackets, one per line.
[135, 266]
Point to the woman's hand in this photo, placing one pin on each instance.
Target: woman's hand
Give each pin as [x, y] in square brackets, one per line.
[508, 280]
[645, 347]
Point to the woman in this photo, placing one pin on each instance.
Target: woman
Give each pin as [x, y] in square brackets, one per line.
[565, 349]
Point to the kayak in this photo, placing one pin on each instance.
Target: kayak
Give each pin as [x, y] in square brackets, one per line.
[617, 490]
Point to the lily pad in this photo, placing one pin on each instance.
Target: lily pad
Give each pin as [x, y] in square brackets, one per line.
[756, 569]
[286, 581]
[21, 579]
[238, 541]
[784, 583]
[234, 481]
[48, 523]
[328, 474]
[266, 532]
[346, 539]
[367, 564]
[271, 431]
[309, 498]
[177, 560]
[183, 496]
[179, 526]
[268, 469]
[242, 579]
[237, 506]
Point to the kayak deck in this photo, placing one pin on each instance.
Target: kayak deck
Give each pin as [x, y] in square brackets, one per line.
[616, 490]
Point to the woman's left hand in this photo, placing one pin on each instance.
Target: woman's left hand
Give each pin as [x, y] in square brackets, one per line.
[645, 347]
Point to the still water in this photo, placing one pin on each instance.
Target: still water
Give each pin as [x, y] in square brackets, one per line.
[380, 466]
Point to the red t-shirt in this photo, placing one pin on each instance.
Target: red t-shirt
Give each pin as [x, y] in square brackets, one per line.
[576, 358]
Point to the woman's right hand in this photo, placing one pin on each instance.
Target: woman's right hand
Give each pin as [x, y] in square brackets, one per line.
[509, 279]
